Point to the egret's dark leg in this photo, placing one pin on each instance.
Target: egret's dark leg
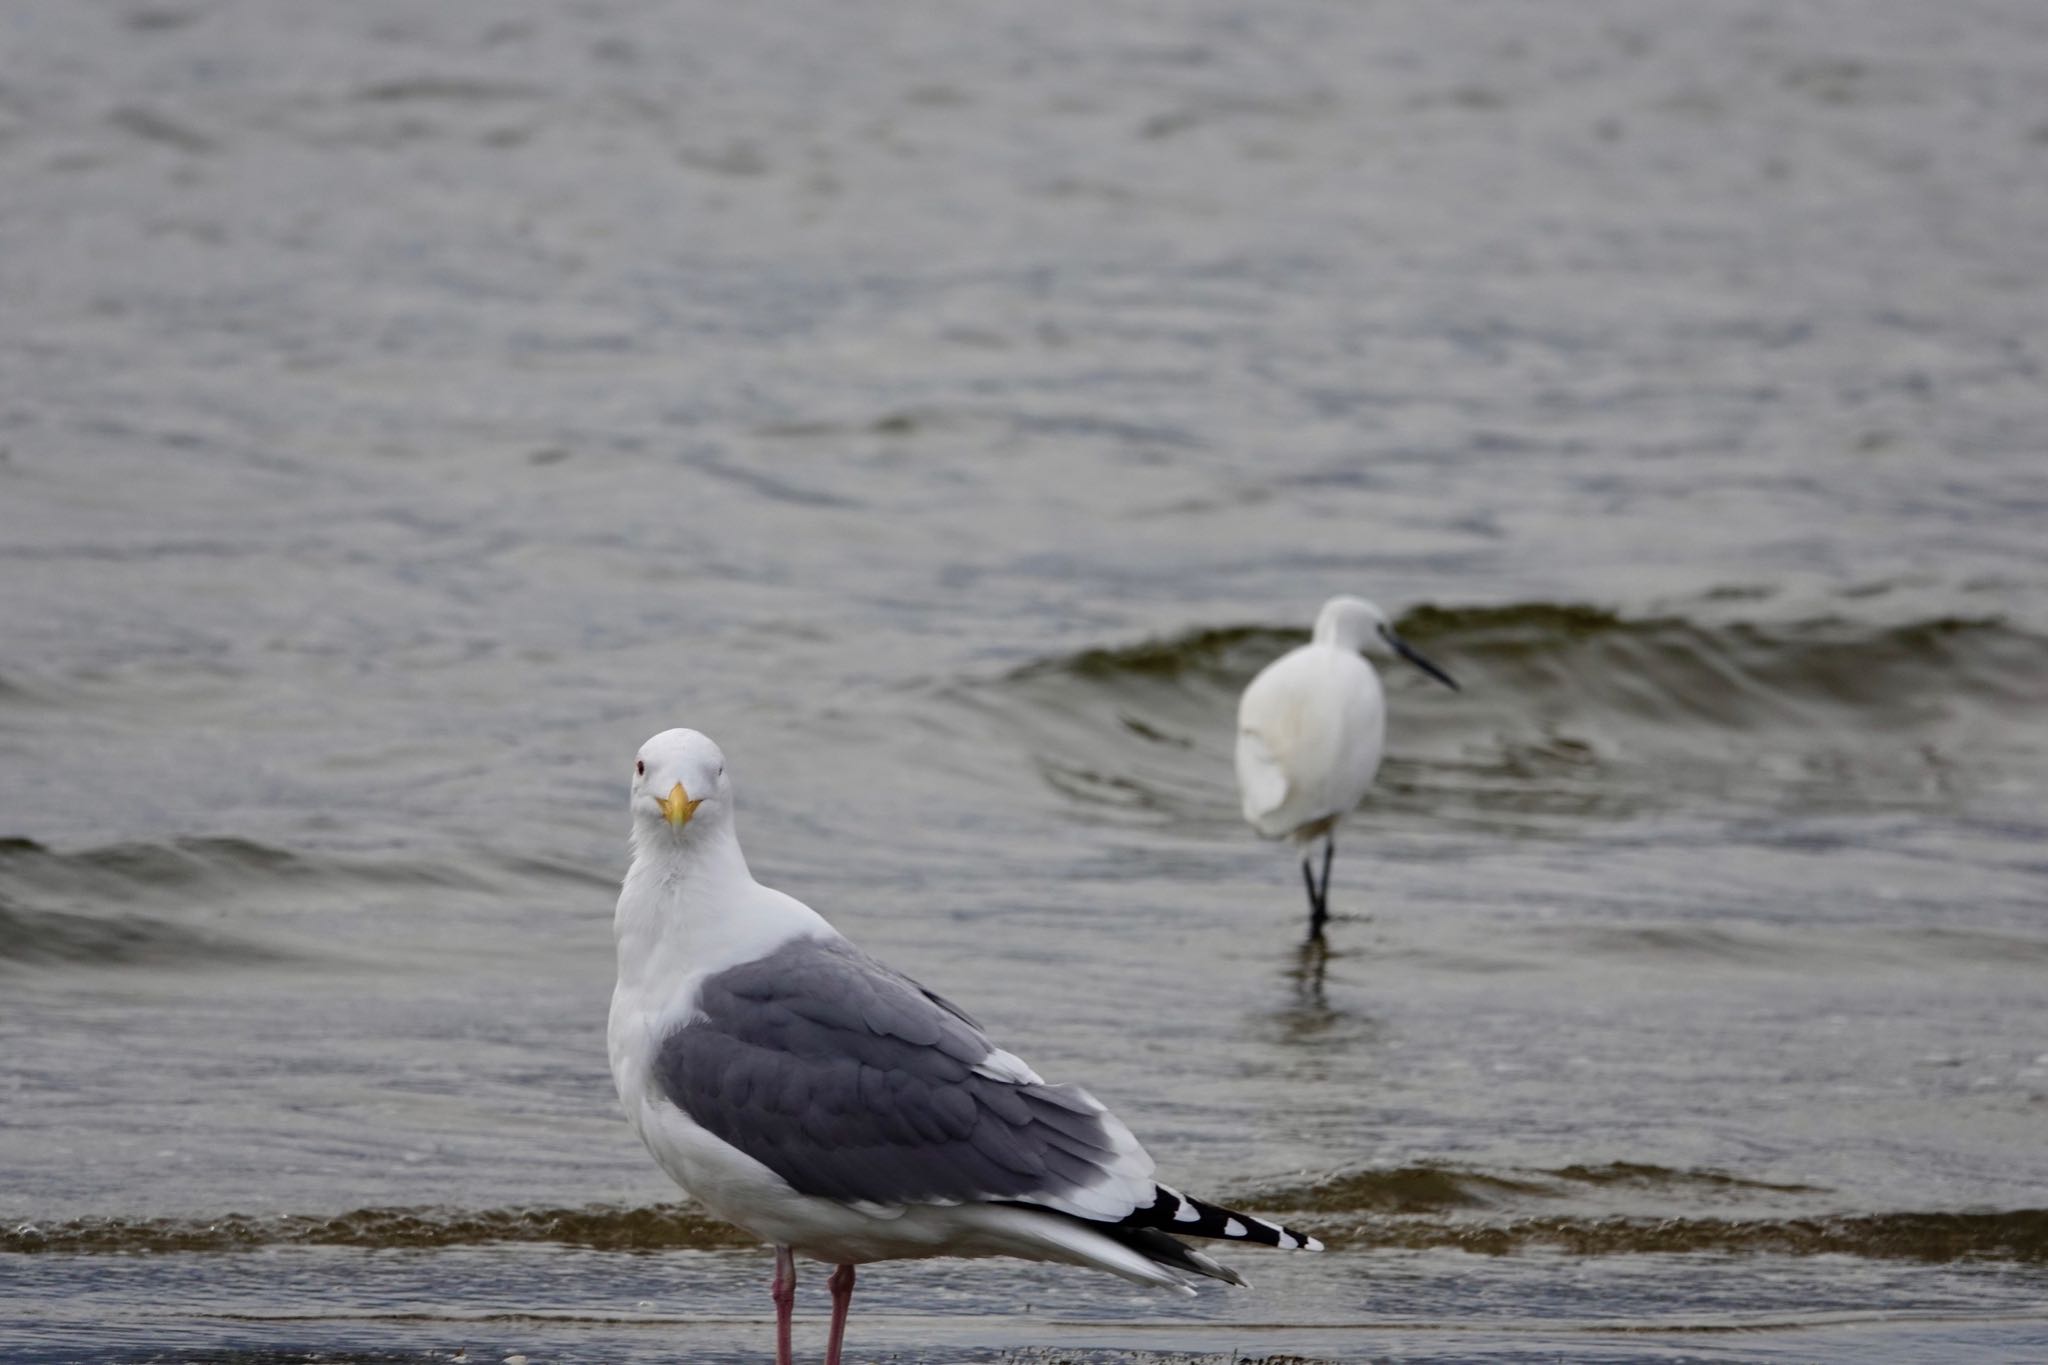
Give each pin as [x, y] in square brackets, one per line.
[1329, 852]
[1317, 911]
[785, 1303]
[842, 1299]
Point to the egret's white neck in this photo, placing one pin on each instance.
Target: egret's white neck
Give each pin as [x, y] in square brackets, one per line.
[1342, 629]
[689, 906]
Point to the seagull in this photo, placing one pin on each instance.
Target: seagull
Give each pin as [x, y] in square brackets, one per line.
[1310, 731]
[838, 1110]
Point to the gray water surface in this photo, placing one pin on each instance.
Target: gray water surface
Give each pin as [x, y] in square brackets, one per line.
[405, 411]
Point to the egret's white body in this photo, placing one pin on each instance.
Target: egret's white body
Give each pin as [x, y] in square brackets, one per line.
[1310, 732]
[1311, 729]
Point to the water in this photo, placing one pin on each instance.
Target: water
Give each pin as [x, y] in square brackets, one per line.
[405, 411]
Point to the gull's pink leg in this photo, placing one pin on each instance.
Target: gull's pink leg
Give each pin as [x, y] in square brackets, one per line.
[842, 1299]
[785, 1302]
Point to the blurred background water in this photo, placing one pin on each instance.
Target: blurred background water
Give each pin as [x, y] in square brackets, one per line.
[405, 410]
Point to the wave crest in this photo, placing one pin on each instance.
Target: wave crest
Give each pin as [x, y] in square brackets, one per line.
[1569, 711]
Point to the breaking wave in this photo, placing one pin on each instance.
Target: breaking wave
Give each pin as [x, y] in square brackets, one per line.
[1442, 1188]
[1408, 1208]
[598, 1228]
[2018, 1236]
[1569, 711]
[143, 903]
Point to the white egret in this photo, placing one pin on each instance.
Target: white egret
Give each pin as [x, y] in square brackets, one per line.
[1311, 728]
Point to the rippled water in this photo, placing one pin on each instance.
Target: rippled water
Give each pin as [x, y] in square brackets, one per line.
[404, 411]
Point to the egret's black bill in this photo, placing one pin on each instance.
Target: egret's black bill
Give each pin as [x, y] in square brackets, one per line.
[1414, 656]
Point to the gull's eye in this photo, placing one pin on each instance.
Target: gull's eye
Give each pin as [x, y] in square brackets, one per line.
[640, 766]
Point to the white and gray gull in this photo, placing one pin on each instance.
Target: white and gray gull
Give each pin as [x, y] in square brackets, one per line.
[1310, 731]
[835, 1108]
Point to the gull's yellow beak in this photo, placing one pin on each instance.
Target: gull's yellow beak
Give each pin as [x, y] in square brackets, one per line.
[677, 807]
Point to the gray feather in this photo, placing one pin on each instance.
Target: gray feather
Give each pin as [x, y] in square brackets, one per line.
[852, 1082]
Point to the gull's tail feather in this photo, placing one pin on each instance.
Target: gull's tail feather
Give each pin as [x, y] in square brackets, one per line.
[1157, 1247]
[1172, 1211]
[1146, 1255]
[1148, 1232]
[1141, 1245]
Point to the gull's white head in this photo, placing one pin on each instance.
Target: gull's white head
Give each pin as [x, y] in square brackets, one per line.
[680, 789]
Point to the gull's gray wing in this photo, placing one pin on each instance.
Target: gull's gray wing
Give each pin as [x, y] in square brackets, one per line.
[854, 1083]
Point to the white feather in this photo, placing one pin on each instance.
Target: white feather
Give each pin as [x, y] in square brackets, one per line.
[1311, 728]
